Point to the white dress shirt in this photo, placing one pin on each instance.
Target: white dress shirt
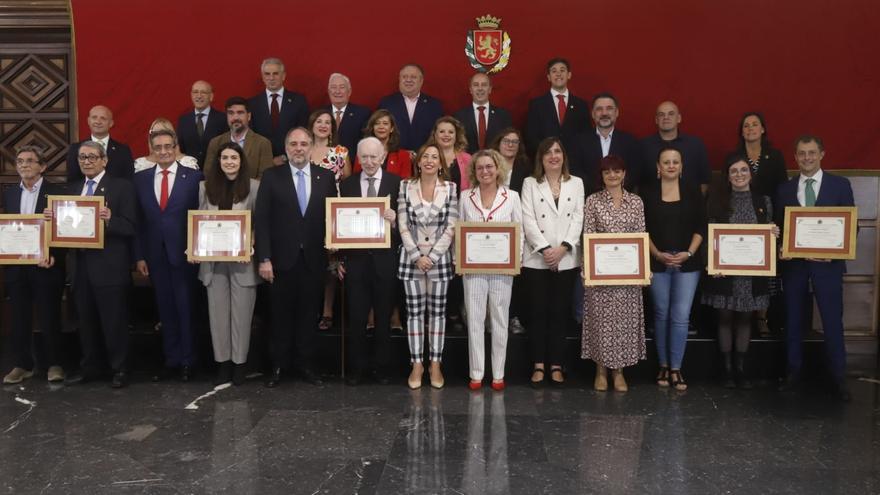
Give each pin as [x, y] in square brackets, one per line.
[605, 142]
[97, 180]
[157, 181]
[308, 179]
[105, 141]
[477, 113]
[204, 113]
[29, 197]
[239, 142]
[802, 186]
[553, 93]
[366, 184]
[269, 94]
[411, 105]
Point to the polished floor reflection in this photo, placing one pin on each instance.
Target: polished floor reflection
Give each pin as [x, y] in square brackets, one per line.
[389, 440]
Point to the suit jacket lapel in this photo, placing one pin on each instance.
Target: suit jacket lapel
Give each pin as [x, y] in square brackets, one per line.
[179, 183]
[316, 186]
[287, 183]
[544, 189]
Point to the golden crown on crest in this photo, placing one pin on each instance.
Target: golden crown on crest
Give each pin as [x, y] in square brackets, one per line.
[488, 22]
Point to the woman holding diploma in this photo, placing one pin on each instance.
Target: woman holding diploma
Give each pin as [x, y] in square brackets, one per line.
[427, 209]
[553, 219]
[489, 201]
[614, 319]
[676, 222]
[232, 286]
[736, 297]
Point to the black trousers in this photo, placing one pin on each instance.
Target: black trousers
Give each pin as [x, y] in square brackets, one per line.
[295, 298]
[42, 289]
[103, 321]
[365, 289]
[549, 308]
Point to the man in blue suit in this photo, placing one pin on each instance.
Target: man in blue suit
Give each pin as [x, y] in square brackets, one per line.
[165, 193]
[814, 187]
[556, 112]
[414, 111]
[350, 118]
[277, 109]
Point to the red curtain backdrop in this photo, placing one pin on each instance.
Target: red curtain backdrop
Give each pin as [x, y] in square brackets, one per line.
[809, 65]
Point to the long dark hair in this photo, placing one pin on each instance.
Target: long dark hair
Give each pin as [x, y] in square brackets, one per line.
[544, 148]
[719, 199]
[393, 144]
[219, 189]
[765, 140]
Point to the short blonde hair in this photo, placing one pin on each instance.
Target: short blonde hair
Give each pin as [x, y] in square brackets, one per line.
[496, 157]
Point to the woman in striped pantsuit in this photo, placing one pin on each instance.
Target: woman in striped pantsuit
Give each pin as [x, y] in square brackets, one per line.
[427, 208]
[488, 201]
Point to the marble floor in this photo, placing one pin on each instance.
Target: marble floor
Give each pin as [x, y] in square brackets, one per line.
[302, 439]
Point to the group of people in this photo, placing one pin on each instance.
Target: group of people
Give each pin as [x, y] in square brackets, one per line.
[271, 156]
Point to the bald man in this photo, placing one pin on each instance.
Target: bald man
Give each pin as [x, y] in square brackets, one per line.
[120, 163]
[482, 121]
[197, 127]
[693, 152]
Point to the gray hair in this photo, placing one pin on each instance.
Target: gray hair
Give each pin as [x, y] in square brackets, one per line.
[102, 153]
[36, 150]
[370, 140]
[272, 60]
[343, 76]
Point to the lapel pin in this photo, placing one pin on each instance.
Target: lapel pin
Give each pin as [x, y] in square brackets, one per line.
[101, 189]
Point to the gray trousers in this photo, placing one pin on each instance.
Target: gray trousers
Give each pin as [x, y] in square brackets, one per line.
[231, 310]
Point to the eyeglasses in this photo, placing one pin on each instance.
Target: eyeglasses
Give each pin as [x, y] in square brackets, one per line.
[25, 161]
[510, 142]
[89, 158]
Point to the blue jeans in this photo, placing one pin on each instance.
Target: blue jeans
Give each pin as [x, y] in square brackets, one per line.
[673, 294]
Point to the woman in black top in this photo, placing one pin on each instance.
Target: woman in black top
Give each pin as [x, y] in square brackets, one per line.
[509, 142]
[675, 220]
[735, 297]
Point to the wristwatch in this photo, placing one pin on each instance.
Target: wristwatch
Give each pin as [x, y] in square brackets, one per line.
[690, 254]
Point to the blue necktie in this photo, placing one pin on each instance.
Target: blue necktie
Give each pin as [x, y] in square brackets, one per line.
[90, 187]
[301, 191]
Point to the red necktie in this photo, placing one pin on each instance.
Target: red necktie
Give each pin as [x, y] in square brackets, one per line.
[481, 127]
[275, 110]
[163, 192]
[560, 107]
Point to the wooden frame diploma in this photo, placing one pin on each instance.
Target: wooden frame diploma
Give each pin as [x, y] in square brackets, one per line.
[617, 259]
[218, 235]
[24, 239]
[742, 249]
[827, 232]
[76, 222]
[357, 223]
[487, 247]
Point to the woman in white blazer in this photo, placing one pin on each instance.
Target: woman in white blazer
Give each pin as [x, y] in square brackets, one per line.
[553, 217]
[232, 287]
[488, 201]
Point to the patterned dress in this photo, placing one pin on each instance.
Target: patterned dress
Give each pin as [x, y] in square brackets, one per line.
[614, 320]
[334, 161]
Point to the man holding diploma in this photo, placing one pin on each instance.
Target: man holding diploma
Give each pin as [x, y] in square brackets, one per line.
[814, 187]
[369, 274]
[28, 285]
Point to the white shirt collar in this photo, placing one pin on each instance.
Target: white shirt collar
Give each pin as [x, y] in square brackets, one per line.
[172, 169]
[306, 170]
[817, 176]
[342, 109]
[377, 175]
[610, 134]
[414, 98]
[104, 141]
[204, 112]
[475, 104]
[563, 93]
[37, 185]
[279, 92]
[98, 178]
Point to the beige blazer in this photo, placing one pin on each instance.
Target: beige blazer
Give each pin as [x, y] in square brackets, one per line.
[547, 225]
[243, 274]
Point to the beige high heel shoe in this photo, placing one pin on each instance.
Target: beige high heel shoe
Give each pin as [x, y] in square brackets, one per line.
[415, 376]
[601, 381]
[619, 382]
[436, 375]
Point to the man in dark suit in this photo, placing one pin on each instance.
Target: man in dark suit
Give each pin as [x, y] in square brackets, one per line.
[693, 152]
[277, 109]
[814, 187]
[165, 193]
[102, 277]
[120, 162]
[371, 274]
[33, 285]
[482, 121]
[414, 112]
[196, 128]
[289, 232]
[604, 140]
[558, 112]
[350, 118]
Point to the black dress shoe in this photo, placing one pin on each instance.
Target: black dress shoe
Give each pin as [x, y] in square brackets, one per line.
[310, 377]
[164, 374]
[274, 378]
[79, 379]
[239, 373]
[186, 373]
[354, 379]
[224, 373]
[380, 378]
[120, 379]
[791, 383]
[842, 392]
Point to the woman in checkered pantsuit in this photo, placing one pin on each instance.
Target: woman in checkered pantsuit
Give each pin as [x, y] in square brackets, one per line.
[488, 201]
[427, 209]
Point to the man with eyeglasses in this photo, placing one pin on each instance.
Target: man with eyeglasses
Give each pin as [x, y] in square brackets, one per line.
[814, 187]
[197, 127]
[30, 286]
[165, 194]
[103, 276]
[482, 122]
[119, 159]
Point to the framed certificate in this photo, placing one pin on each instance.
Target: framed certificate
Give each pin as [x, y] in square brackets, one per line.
[24, 239]
[487, 247]
[76, 222]
[742, 249]
[218, 235]
[820, 232]
[356, 223]
[617, 259]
